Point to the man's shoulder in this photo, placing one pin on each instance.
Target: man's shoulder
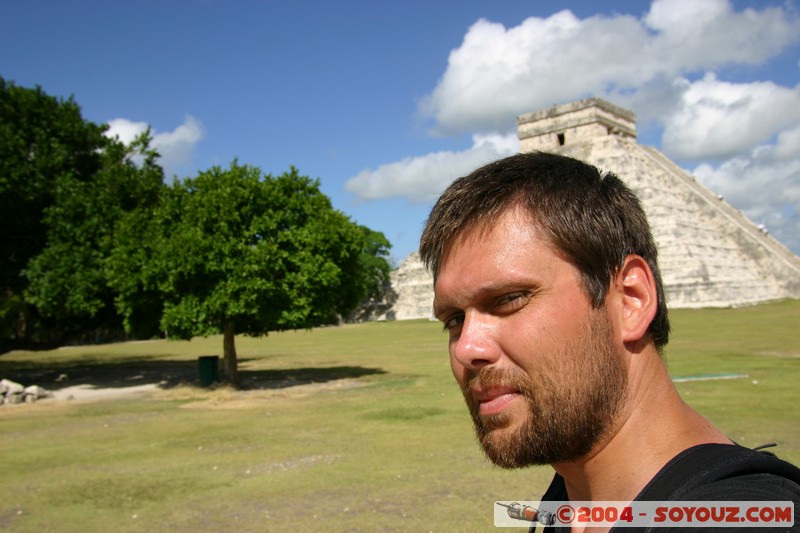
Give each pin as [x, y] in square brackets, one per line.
[723, 472]
[747, 487]
[719, 472]
[715, 472]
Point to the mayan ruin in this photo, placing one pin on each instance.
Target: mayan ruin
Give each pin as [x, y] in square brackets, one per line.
[710, 254]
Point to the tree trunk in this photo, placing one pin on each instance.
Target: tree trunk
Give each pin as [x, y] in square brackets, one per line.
[229, 351]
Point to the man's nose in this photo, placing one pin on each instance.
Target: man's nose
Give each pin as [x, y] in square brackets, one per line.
[475, 346]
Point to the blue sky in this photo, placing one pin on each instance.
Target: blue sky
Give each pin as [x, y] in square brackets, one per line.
[387, 102]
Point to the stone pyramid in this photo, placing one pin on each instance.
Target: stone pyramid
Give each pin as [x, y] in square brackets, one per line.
[710, 254]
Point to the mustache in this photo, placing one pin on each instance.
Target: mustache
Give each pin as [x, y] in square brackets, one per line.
[490, 376]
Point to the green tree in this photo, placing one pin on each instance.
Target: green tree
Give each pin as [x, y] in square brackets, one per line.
[67, 280]
[237, 251]
[45, 145]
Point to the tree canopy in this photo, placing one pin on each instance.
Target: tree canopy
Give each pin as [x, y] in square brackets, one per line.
[239, 251]
[93, 241]
[63, 186]
[68, 279]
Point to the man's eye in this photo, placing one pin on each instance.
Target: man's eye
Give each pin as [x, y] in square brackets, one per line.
[453, 322]
[512, 301]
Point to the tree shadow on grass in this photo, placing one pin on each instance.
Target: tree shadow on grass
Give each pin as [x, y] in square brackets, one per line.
[131, 371]
[279, 379]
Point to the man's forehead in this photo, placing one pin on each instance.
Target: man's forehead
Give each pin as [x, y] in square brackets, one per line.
[476, 232]
[490, 259]
[482, 231]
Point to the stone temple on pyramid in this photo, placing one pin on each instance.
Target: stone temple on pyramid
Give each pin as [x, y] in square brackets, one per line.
[710, 254]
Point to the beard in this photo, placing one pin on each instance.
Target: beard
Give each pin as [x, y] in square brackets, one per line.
[570, 401]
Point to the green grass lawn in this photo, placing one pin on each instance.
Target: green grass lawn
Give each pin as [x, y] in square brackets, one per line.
[382, 442]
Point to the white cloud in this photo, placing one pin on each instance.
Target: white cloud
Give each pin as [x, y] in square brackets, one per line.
[125, 130]
[717, 119]
[691, 35]
[175, 147]
[668, 66]
[424, 178]
[498, 73]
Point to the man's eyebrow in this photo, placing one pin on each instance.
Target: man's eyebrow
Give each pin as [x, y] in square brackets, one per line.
[441, 309]
[441, 306]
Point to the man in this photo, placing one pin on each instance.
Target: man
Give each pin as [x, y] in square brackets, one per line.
[546, 278]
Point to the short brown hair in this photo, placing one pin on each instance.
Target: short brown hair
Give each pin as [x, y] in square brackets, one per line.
[594, 219]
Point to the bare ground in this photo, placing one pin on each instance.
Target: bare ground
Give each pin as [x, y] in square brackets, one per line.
[179, 380]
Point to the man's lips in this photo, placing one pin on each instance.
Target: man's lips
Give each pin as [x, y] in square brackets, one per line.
[494, 400]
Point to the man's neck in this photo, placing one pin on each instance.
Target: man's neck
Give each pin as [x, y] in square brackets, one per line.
[653, 427]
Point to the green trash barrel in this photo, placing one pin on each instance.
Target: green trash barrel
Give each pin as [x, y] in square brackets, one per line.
[208, 367]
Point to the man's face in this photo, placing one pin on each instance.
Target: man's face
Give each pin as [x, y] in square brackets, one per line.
[540, 369]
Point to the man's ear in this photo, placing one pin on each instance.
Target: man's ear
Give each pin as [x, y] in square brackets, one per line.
[635, 288]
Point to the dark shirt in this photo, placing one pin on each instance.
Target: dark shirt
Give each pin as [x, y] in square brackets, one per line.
[711, 472]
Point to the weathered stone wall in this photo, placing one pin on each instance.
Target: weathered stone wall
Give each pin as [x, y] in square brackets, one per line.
[414, 288]
[551, 128]
[710, 254]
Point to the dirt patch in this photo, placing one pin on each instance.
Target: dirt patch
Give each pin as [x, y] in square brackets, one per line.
[90, 392]
[178, 380]
[222, 397]
[91, 381]
[789, 355]
[225, 397]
